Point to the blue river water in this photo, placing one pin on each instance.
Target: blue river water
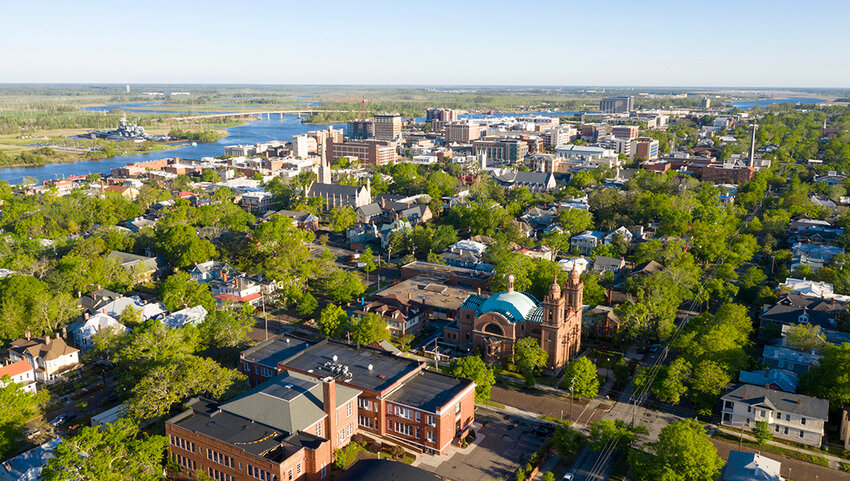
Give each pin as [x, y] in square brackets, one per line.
[748, 104]
[274, 127]
[277, 127]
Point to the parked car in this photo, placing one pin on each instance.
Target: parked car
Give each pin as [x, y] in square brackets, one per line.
[567, 477]
[654, 348]
[60, 420]
[543, 429]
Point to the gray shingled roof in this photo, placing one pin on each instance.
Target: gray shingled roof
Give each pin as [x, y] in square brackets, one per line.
[810, 407]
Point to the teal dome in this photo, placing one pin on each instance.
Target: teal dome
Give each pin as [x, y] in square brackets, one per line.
[516, 306]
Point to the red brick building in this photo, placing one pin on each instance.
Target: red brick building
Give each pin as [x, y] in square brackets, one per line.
[285, 429]
[400, 400]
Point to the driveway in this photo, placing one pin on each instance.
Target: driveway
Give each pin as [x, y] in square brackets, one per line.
[504, 441]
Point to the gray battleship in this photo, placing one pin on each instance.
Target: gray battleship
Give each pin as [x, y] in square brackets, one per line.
[126, 131]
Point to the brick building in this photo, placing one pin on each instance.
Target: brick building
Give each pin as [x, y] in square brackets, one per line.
[287, 428]
[462, 132]
[400, 400]
[369, 152]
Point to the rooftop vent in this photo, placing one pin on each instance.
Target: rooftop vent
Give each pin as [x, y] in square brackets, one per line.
[335, 358]
[370, 367]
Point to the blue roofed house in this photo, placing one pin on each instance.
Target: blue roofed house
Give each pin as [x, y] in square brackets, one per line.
[779, 379]
[28, 466]
[743, 466]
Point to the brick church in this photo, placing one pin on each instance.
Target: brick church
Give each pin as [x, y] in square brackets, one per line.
[493, 324]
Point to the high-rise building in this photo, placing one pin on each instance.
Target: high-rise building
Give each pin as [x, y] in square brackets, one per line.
[645, 148]
[501, 151]
[361, 129]
[443, 115]
[617, 105]
[462, 132]
[387, 126]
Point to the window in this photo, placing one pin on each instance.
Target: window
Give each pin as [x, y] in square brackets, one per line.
[348, 410]
[341, 435]
[786, 429]
[763, 413]
[389, 425]
[457, 408]
[777, 428]
[418, 433]
[749, 409]
[298, 468]
[418, 418]
[404, 429]
[348, 430]
[803, 421]
[403, 412]
[787, 417]
[319, 428]
[289, 474]
[430, 435]
[779, 416]
[362, 403]
[432, 421]
[802, 433]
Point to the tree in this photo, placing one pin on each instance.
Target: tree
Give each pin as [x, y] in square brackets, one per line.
[762, 432]
[830, 378]
[805, 337]
[307, 305]
[472, 367]
[343, 286]
[548, 476]
[130, 317]
[709, 380]
[529, 356]
[611, 432]
[369, 328]
[18, 407]
[183, 248]
[225, 328]
[683, 452]
[115, 452]
[179, 291]
[368, 260]
[673, 382]
[566, 441]
[332, 321]
[581, 376]
[341, 218]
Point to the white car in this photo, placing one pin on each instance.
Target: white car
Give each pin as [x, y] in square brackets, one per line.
[567, 477]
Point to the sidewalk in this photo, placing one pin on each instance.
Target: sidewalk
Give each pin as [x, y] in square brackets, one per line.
[834, 461]
[549, 465]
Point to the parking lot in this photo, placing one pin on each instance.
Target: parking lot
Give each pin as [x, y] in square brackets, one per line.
[503, 442]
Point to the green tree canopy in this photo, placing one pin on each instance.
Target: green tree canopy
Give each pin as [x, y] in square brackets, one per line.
[117, 452]
[529, 356]
[179, 291]
[581, 375]
[332, 321]
[830, 378]
[18, 407]
[369, 328]
[472, 367]
[183, 248]
[683, 452]
[615, 431]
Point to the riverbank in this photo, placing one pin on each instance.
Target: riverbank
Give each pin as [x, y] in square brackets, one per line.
[55, 154]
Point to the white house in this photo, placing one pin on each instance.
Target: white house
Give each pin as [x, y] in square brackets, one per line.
[85, 330]
[147, 311]
[793, 417]
[50, 358]
[20, 372]
[625, 233]
[587, 241]
[184, 317]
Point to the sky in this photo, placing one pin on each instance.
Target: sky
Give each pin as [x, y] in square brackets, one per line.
[717, 43]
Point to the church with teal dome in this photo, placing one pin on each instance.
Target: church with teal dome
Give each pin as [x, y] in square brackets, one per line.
[494, 324]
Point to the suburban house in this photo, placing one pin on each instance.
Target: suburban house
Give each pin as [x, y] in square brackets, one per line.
[609, 264]
[301, 220]
[796, 309]
[51, 358]
[210, 270]
[805, 287]
[814, 256]
[29, 465]
[622, 232]
[601, 321]
[184, 317]
[743, 466]
[287, 428]
[94, 300]
[142, 269]
[812, 231]
[783, 358]
[465, 253]
[402, 314]
[401, 402]
[780, 379]
[239, 290]
[147, 311]
[83, 331]
[20, 372]
[792, 417]
[587, 241]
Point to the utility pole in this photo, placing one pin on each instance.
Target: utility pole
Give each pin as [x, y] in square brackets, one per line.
[265, 318]
[572, 385]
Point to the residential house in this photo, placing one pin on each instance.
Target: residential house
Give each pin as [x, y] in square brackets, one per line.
[402, 315]
[146, 311]
[139, 223]
[805, 287]
[797, 309]
[742, 466]
[574, 263]
[624, 233]
[429, 291]
[539, 251]
[401, 402]
[812, 231]
[258, 202]
[466, 253]
[184, 317]
[94, 300]
[29, 465]
[814, 256]
[302, 220]
[287, 428]
[386, 230]
[20, 372]
[791, 417]
[784, 358]
[51, 358]
[609, 264]
[646, 268]
[84, 331]
[601, 321]
[587, 241]
[361, 234]
[210, 271]
[238, 290]
[780, 379]
[142, 269]
[370, 212]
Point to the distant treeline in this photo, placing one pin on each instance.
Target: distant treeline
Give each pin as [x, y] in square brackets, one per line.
[194, 136]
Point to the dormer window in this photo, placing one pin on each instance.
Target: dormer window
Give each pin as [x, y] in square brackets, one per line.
[803, 319]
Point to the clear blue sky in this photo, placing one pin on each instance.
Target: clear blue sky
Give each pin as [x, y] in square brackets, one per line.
[562, 42]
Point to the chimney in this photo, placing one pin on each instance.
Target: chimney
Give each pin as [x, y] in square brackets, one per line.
[28, 335]
[224, 275]
[479, 291]
[799, 402]
[329, 406]
[47, 340]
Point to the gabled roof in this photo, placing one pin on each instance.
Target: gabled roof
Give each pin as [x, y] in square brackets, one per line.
[743, 466]
[810, 407]
[784, 379]
[28, 466]
[15, 369]
[316, 189]
[46, 348]
[183, 317]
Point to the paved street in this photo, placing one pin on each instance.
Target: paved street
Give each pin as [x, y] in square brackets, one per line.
[549, 404]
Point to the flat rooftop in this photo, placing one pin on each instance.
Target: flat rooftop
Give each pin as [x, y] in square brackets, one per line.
[429, 390]
[439, 269]
[387, 368]
[429, 290]
[272, 351]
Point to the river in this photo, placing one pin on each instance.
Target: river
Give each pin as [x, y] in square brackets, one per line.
[748, 104]
[277, 127]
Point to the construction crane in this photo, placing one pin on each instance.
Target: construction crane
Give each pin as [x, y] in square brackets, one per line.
[362, 99]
